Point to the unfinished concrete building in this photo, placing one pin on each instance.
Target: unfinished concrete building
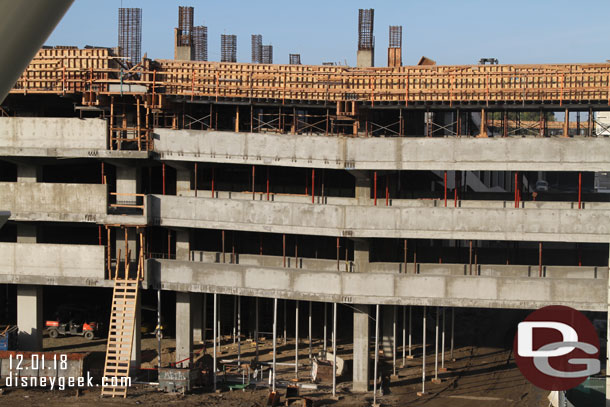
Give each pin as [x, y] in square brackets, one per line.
[381, 195]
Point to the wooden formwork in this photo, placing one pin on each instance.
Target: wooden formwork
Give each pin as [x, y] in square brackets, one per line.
[71, 70]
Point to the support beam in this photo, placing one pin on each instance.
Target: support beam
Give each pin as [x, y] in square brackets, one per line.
[184, 329]
[198, 325]
[360, 381]
[29, 317]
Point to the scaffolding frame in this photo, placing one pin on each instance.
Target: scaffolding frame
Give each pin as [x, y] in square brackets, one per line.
[267, 54]
[295, 59]
[185, 26]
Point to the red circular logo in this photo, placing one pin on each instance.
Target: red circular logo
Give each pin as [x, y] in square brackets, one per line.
[557, 348]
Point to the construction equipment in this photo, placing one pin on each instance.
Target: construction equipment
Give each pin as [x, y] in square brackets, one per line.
[121, 329]
[73, 320]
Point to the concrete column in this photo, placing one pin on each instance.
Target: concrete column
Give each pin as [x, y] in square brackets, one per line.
[365, 58]
[28, 172]
[136, 346]
[363, 187]
[361, 255]
[183, 182]
[128, 181]
[360, 379]
[29, 317]
[197, 301]
[387, 330]
[26, 232]
[183, 245]
[184, 327]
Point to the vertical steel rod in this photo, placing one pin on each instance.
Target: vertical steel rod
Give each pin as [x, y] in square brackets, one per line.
[256, 329]
[238, 331]
[452, 331]
[443, 341]
[394, 341]
[310, 338]
[376, 354]
[423, 363]
[334, 349]
[325, 333]
[436, 346]
[296, 341]
[214, 350]
[404, 335]
[274, 341]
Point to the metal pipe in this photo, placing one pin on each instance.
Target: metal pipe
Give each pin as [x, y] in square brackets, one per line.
[580, 190]
[394, 342]
[213, 180]
[296, 341]
[195, 180]
[284, 248]
[205, 318]
[274, 341]
[423, 369]
[405, 252]
[253, 179]
[310, 349]
[338, 254]
[313, 184]
[334, 349]
[285, 330]
[325, 334]
[443, 342]
[470, 257]
[238, 330]
[163, 170]
[436, 346]
[410, 332]
[376, 354]
[234, 319]
[452, 332]
[158, 328]
[539, 259]
[256, 329]
[375, 187]
[445, 189]
[404, 335]
[215, 333]
[267, 183]
[223, 246]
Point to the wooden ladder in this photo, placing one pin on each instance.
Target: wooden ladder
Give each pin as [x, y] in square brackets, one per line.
[121, 329]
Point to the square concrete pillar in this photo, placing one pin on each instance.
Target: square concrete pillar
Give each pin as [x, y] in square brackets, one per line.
[184, 327]
[136, 347]
[360, 381]
[128, 181]
[197, 302]
[363, 187]
[361, 255]
[29, 317]
[365, 58]
[183, 182]
[26, 232]
[387, 330]
[183, 245]
[28, 172]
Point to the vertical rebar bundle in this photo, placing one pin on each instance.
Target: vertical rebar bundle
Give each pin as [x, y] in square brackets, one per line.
[396, 36]
[130, 34]
[257, 49]
[267, 54]
[228, 48]
[200, 43]
[295, 59]
[185, 25]
[365, 29]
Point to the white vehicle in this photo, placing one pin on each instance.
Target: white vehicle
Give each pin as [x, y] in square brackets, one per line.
[542, 186]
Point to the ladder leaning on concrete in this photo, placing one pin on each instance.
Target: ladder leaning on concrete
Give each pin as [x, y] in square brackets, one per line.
[121, 329]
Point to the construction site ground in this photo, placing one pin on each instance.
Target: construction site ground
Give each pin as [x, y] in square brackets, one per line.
[480, 376]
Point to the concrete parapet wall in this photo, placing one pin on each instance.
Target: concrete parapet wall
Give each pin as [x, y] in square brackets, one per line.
[54, 202]
[400, 153]
[53, 133]
[560, 225]
[46, 263]
[377, 288]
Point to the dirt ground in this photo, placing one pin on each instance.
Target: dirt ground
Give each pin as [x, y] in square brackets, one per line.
[480, 376]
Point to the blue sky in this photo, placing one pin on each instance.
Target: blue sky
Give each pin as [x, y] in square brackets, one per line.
[448, 31]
